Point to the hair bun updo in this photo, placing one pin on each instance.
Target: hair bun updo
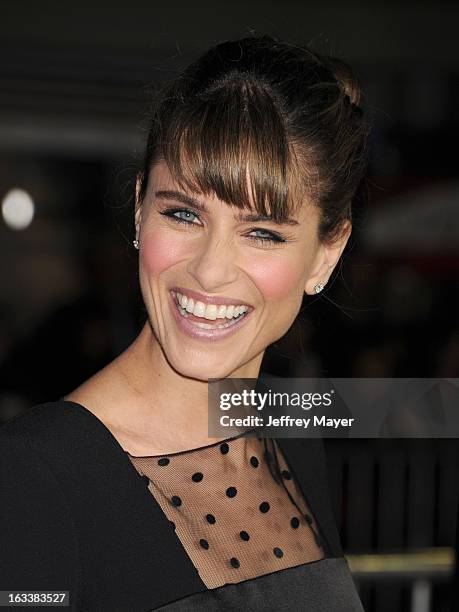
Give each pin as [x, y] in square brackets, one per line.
[346, 81]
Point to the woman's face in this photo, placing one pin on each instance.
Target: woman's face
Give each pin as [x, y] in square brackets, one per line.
[208, 252]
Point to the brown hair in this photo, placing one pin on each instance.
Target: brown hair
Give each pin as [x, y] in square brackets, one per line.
[279, 114]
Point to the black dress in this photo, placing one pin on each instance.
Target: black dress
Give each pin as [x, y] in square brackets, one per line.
[244, 523]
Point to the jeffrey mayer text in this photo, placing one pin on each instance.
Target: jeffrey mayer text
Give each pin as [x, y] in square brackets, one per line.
[283, 421]
[316, 421]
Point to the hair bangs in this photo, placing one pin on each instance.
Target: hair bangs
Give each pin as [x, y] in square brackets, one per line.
[232, 142]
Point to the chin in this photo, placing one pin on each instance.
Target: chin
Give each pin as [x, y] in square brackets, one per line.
[200, 370]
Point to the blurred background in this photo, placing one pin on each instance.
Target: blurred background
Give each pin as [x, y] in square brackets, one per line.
[75, 84]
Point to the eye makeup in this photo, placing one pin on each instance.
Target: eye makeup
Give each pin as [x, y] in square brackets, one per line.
[173, 212]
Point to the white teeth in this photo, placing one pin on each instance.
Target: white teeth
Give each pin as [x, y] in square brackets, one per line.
[190, 305]
[184, 313]
[204, 325]
[199, 309]
[209, 311]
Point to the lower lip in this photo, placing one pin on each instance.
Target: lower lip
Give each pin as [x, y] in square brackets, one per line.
[205, 334]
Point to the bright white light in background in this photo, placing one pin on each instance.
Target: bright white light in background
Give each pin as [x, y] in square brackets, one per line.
[18, 209]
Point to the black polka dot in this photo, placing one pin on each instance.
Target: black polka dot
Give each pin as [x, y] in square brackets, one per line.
[224, 448]
[308, 518]
[163, 461]
[294, 522]
[210, 518]
[231, 491]
[234, 562]
[278, 552]
[244, 536]
[286, 475]
[176, 501]
[197, 476]
[146, 479]
[264, 506]
[254, 461]
[204, 543]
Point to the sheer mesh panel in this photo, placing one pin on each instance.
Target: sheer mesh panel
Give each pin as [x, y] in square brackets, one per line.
[236, 508]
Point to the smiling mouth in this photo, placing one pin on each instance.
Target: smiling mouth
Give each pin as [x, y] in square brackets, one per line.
[221, 322]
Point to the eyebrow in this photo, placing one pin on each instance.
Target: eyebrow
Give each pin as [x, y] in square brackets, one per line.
[200, 206]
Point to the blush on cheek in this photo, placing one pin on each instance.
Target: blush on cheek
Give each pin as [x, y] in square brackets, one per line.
[159, 252]
[276, 280]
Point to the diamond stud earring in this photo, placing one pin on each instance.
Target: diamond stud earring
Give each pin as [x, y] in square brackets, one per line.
[318, 288]
[135, 243]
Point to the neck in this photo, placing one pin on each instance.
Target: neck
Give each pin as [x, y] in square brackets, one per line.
[170, 408]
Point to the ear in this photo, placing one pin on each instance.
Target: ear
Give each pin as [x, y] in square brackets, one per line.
[138, 206]
[327, 258]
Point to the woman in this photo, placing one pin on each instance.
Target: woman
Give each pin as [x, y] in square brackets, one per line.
[115, 493]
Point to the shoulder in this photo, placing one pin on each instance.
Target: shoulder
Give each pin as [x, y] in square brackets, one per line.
[29, 488]
[53, 430]
[41, 416]
[41, 420]
[28, 442]
[66, 441]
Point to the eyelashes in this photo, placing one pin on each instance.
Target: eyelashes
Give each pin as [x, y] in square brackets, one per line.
[270, 237]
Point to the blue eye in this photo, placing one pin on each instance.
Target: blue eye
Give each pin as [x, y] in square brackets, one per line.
[172, 212]
[270, 237]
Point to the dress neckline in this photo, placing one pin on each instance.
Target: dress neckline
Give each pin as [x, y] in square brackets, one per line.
[192, 450]
[305, 456]
[189, 450]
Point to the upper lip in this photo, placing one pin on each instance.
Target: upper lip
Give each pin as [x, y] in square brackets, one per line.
[209, 299]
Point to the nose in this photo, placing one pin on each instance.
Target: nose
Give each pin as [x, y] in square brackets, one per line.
[213, 264]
